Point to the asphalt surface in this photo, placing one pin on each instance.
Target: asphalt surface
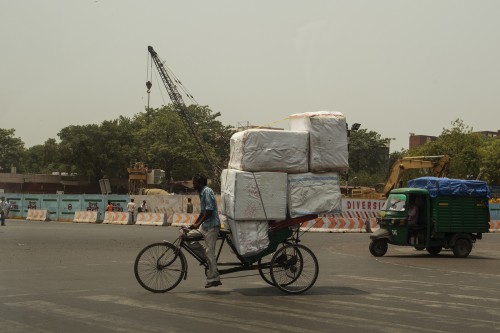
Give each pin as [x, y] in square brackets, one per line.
[78, 277]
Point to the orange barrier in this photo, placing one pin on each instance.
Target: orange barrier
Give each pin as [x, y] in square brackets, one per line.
[86, 216]
[495, 226]
[181, 219]
[116, 218]
[151, 219]
[339, 223]
[37, 215]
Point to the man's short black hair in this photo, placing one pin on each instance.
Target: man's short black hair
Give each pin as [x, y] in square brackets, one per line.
[200, 179]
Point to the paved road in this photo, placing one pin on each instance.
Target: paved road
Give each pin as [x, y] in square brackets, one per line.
[68, 277]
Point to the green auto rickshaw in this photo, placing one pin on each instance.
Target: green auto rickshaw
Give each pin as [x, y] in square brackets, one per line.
[442, 221]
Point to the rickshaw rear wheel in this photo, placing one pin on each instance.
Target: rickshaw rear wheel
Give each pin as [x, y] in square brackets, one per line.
[434, 250]
[378, 247]
[462, 248]
[264, 266]
[294, 269]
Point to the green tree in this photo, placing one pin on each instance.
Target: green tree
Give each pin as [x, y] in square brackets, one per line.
[11, 150]
[167, 144]
[44, 158]
[490, 161]
[368, 158]
[96, 151]
[462, 145]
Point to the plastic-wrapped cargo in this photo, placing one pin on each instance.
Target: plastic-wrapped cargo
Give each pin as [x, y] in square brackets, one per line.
[451, 187]
[327, 139]
[253, 196]
[314, 193]
[249, 237]
[269, 150]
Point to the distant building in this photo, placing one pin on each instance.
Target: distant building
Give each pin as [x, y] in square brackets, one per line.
[491, 134]
[420, 140]
[56, 183]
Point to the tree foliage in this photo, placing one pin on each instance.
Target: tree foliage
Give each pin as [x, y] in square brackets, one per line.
[467, 151]
[11, 150]
[44, 158]
[156, 137]
[368, 158]
[159, 138]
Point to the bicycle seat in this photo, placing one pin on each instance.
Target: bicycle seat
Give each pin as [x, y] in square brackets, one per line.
[194, 237]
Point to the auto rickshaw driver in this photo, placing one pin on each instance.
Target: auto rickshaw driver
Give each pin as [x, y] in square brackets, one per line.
[415, 228]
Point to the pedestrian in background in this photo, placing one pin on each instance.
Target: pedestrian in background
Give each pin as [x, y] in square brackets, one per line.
[2, 216]
[4, 210]
[144, 207]
[131, 210]
[109, 207]
[189, 207]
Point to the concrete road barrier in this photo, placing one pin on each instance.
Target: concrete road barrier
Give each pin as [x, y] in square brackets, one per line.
[37, 215]
[86, 216]
[151, 219]
[339, 223]
[182, 219]
[116, 218]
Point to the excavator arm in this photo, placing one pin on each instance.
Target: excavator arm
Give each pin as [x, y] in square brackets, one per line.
[437, 164]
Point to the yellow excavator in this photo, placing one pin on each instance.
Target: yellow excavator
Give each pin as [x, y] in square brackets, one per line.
[438, 166]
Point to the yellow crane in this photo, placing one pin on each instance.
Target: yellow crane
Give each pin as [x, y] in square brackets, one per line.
[438, 166]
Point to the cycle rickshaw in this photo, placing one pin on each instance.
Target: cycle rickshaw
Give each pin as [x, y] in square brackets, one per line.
[285, 264]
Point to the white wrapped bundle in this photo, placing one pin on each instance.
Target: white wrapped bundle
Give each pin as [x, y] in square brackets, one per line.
[253, 196]
[327, 139]
[269, 150]
[314, 193]
[249, 237]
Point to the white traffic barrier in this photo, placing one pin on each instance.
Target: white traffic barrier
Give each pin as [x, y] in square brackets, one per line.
[116, 218]
[339, 223]
[181, 219]
[37, 215]
[86, 216]
[151, 219]
[495, 226]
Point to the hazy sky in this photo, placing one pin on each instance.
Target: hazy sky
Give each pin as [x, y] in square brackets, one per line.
[394, 66]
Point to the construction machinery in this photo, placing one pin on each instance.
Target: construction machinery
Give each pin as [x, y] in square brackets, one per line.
[137, 177]
[180, 107]
[437, 166]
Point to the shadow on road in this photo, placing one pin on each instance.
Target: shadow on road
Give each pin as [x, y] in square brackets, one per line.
[314, 291]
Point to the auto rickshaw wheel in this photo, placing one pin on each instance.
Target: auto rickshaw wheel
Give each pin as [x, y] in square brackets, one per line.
[434, 250]
[462, 248]
[378, 247]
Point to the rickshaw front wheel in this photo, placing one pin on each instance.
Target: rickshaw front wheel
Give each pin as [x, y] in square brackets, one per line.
[378, 247]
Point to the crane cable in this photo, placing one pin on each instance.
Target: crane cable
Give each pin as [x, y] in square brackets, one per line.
[185, 114]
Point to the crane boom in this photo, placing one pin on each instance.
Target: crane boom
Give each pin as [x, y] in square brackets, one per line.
[180, 106]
